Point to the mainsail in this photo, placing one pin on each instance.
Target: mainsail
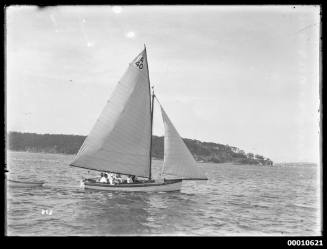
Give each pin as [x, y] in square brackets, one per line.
[120, 139]
[178, 160]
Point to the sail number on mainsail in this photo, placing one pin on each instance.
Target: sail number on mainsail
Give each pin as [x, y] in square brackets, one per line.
[139, 63]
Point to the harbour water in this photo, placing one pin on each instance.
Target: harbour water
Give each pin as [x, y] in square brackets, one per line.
[237, 200]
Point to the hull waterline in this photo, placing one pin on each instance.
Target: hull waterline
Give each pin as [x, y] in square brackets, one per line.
[156, 186]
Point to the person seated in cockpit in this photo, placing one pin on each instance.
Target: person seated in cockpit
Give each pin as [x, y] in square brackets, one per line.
[118, 179]
[110, 179]
[103, 178]
[129, 179]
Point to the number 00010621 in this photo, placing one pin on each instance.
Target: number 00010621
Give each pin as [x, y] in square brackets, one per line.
[304, 242]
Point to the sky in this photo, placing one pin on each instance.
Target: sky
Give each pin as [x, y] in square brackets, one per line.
[246, 76]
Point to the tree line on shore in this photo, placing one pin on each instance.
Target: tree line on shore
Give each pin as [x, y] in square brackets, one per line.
[70, 144]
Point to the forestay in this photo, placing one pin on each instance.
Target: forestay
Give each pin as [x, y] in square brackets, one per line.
[178, 160]
[120, 139]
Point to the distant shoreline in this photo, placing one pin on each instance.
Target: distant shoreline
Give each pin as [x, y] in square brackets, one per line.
[203, 152]
[290, 164]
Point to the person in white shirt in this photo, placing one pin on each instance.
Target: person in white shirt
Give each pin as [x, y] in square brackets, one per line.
[110, 179]
[115, 178]
[118, 179]
[98, 178]
[129, 179]
[103, 178]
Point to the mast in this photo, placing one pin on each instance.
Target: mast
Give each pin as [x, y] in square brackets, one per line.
[151, 112]
[152, 106]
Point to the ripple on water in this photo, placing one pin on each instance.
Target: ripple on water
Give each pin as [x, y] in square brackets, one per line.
[237, 200]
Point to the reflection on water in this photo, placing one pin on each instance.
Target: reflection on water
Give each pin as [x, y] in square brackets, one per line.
[236, 200]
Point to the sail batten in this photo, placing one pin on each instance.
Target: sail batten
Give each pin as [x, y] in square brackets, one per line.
[178, 160]
[119, 140]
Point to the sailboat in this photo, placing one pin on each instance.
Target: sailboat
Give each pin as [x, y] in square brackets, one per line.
[22, 184]
[121, 139]
[25, 184]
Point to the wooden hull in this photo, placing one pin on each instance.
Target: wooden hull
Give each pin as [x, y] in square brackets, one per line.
[156, 186]
[22, 184]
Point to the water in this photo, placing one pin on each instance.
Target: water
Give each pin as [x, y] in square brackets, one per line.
[237, 200]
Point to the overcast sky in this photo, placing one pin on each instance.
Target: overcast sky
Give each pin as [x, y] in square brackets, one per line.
[245, 76]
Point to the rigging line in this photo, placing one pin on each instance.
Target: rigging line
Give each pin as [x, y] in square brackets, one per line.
[157, 100]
